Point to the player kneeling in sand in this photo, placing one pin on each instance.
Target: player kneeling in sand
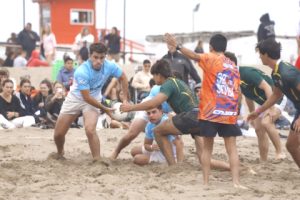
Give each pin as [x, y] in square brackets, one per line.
[150, 151]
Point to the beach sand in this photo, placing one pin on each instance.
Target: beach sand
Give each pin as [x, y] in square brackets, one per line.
[28, 171]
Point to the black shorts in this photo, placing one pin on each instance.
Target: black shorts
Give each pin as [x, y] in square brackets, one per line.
[188, 123]
[295, 118]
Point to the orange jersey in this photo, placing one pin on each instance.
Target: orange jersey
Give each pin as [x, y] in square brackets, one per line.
[220, 89]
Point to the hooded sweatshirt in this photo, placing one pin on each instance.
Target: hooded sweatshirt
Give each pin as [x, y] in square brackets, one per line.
[35, 61]
[266, 28]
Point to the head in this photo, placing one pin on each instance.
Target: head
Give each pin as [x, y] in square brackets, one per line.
[155, 114]
[114, 30]
[161, 70]
[218, 43]
[98, 53]
[13, 35]
[231, 57]
[25, 86]
[265, 18]
[151, 82]
[7, 87]
[146, 65]
[200, 43]
[171, 48]
[46, 29]
[197, 88]
[58, 88]
[268, 50]
[68, 63]
[45, 87]
[85, 31]
[28, 27]
[4, 74]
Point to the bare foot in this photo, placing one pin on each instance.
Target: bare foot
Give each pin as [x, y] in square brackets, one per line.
[113, 156]
[238, 186]
[56, 156]
[280, 156]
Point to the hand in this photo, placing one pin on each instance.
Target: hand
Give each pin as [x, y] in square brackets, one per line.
[296, 125]
[170, 40]
[41, 104]
[126, 107]
[252, 116]
[108, 111]
[10, 115]
[155, 147]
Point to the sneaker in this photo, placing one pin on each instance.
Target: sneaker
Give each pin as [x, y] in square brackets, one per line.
[244, 125]
[282, 123]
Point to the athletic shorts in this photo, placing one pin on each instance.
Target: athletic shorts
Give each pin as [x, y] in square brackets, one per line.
[188, 123]
[295, 118]
[156, 156]
[73, 105]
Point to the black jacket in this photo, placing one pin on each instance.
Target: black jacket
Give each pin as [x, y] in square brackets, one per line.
[183, 66]
[266, 28]
[28, 41]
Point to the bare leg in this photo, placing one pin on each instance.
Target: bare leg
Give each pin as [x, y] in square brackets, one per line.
[90, 122]
[262, 139]
[215, 164]
[293, 146]
[137, 126]
[161, 136]
[206, 158]
[269, 126]
[141, 159]
[136, 150]
[230, 144]
[61, 128]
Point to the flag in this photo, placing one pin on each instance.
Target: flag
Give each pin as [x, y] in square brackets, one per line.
[196, 7]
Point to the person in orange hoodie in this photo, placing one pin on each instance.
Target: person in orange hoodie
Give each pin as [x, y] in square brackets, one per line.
[35, 61]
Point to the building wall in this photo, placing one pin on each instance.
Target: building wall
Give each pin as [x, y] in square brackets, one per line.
[66, 32]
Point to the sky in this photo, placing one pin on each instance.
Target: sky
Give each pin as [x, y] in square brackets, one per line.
[153, 17]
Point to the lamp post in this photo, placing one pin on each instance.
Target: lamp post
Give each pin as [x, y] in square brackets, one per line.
[194, 11]
[124, 31]
[23, 13]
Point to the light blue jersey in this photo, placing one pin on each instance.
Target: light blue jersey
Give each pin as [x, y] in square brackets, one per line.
[87, 78]
[153, 92]
[149, 134]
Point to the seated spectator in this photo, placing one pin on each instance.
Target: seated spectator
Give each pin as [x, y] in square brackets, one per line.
[141, 80]
[35, 61]
[20, 60]
[150, 152]
[40, 98]
[9, 61]
[4, 74]
[53, 104]
[11, 113]
[66, 74]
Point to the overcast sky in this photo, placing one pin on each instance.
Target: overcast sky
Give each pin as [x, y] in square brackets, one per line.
[148, 17]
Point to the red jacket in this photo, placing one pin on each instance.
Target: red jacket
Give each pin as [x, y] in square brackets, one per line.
[34, 60]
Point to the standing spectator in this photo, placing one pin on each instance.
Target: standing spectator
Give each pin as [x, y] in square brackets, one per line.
[11, 52]
[266, 28]
[49, 43]
[112, 40]
[20, 60]
[83, 36]
[141, 80]
[28, 38]
[83, 53]
[65, 75]
[182, 65]
[199, 47]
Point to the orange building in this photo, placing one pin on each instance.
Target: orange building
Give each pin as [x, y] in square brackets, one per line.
[68, 17]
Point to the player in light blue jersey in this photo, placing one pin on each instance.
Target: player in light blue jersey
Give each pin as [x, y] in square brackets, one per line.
[85, 97]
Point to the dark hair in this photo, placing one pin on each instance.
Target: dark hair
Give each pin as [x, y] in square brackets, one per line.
[270, 47]
[49, 85]
[23, 81]
[231, 56]
[4, 72]
[162, 67]
[67, 58]
[146, 62]
[7, 81]
[177, 75]
[218, 42]
[98, 48]
[151, 82]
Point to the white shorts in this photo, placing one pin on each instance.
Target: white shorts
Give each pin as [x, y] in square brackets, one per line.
[157, 156]
[73, 105]
[142, 114]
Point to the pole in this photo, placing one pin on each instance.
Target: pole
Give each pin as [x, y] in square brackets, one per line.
[193, 21]
[23, 13]
[106, 6]
[124, 31]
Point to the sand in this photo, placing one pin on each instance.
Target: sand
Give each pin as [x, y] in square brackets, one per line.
[28, 172]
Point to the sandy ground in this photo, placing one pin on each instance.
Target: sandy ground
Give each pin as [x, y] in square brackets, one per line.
[28, 172]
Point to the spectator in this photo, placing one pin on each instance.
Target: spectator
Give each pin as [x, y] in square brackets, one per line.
[65, 75]
[112, 40]
[182, 65]
[83, 36]
[49, 43]
[83, 53]
[141, 80]
[20, 60]
[11, 52]
[28, 38]
[266, 28]
[199, 47]
[11, 113]
[35, 61]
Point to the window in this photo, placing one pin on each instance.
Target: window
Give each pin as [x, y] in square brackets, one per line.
[82, 17]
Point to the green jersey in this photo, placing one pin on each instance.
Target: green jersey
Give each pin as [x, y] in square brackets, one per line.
[180, 97]
[287, 78]
[251, 78]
